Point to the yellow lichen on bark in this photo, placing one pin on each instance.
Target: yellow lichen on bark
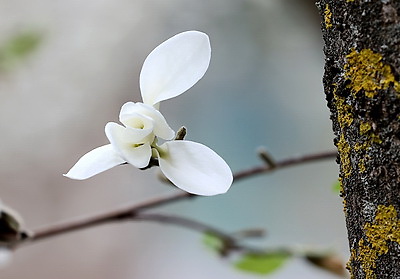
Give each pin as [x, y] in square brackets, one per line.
[362, 146]
[365, 127]
[375, 138]
[365, 130]
[328, 17]
[384, 228]
[345, 119]
[344, 153]
[353, 256]
[345, 116]
[361, 165]
[368, 73]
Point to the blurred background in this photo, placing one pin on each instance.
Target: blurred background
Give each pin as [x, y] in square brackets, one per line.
[263, 88]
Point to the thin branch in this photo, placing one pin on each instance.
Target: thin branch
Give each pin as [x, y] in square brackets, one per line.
[118, 214]
[183, 222]
[126, 212]
[310, 158]
[230, 241]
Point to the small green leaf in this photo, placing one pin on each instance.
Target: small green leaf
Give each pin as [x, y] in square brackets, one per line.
[262, 263]
[18, 48]
[213, 242]
[336, 187]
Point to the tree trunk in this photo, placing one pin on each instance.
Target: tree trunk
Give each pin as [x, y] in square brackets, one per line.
[361, 83]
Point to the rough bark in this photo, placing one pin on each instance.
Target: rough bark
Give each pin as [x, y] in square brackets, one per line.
[361, 83]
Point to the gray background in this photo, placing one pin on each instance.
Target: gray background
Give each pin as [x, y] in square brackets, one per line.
[263, 87]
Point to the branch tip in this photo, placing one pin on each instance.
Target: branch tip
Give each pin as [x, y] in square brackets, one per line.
[180, 135]
[266, 157]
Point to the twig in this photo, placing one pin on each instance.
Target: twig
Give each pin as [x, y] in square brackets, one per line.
[266, 157]
[126, 212]
[230, 241]
[285, 163]
[183, 222]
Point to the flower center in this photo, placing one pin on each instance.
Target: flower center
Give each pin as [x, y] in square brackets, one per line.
[134, 145]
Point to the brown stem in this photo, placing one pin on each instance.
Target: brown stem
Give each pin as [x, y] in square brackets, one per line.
[230, 242]
[285, 163]
[124, 212]
[130, 211]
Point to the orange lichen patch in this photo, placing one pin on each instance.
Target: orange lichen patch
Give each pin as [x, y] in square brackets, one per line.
[368, 73]
[384, 228]
[328, 17]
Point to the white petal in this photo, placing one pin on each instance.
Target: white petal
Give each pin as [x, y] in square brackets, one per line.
[138, 156]
[96, 161]
[195, 168]
[174, 66]
[161, 127]
[138, 127]
[124, 142]
[119, 135]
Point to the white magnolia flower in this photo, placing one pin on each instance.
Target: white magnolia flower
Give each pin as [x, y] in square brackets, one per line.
[170, 69]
